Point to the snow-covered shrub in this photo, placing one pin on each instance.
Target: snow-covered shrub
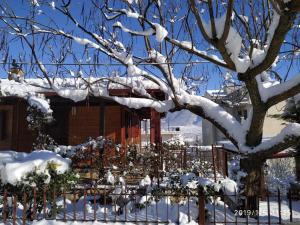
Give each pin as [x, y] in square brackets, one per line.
[203, 168]
[42, 170]
[38, 120]
[280, 174]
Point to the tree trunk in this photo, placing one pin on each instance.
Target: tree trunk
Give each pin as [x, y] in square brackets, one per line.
[252, 183]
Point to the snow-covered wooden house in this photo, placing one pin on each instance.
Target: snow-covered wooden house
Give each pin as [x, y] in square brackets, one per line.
[74, 121]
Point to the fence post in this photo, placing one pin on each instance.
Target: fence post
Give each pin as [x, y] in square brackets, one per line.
[214, 162]
[201, 205]
[184, 158]
[24, 209]
[4, 215]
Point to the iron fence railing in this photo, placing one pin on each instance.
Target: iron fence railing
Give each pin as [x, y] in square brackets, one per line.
[107, 203]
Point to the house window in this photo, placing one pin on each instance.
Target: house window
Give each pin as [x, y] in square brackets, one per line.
[2, 125]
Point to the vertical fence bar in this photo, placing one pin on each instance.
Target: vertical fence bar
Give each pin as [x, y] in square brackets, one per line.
[34, 216]
[44, 203]
[125, 207]
[279, 205]
[257, 210]
[236, 213]
[4, 212]
[156, 207]
[201, 205]
[74, 205]
[135, 211]
[84, 204]
[167, 207]
[246, 203]
[54, 209]
[225, 214]
[115, 205]
[214, 209]
[178, 208]
[24, 208]
[105, 202]
[65, 209]
[214, 162]
[146, 207]
[185, 158]
[95, 218]
[189, 213]
[15, 210]
[268, 203]
[291, 205]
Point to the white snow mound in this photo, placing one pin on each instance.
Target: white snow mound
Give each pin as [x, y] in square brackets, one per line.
[13, 168]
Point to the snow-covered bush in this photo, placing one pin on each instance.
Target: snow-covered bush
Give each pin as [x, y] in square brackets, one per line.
[201, 167]
[280, 174]
[38, 120]
[42, 170]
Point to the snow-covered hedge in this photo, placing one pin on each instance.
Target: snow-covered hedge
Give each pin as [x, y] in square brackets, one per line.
[15, 166]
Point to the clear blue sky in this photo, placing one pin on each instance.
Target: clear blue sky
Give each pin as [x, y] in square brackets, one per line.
[45, 12]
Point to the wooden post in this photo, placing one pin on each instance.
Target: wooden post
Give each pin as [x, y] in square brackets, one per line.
[214, 162]
[155, 133]
[155, 138]
[201, 205]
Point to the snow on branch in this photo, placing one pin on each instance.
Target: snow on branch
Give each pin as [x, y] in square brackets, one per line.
[285, 139]
[138, 103]
[272, 92]
[133, 32]
[259, 55]
[217, 115]
[188, 46]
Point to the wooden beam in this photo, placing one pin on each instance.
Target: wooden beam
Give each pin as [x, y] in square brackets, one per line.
[155, 129]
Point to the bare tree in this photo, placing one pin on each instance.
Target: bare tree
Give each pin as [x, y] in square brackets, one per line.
[160, 42]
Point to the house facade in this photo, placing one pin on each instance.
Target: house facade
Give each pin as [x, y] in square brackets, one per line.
[234, 99]
[75, 122]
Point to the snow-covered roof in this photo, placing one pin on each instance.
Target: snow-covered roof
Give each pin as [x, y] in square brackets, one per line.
[76, 89]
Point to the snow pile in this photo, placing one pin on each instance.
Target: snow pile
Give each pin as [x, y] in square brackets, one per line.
[40, 103]
[23, 90]
[110, 177]
[145, 182]
[17, 166]
[229, 187]
[72, 93]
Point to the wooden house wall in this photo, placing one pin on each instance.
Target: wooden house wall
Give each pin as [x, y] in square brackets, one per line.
[6, 142]
[83, 123]
[113, 123]
[18, 136]
[73, 124]
[22, 136]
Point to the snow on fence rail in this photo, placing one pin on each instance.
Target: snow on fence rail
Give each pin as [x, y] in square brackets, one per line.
[109, 203]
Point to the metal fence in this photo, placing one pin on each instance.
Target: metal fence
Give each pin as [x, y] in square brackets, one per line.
[103, 204]
[108, 203]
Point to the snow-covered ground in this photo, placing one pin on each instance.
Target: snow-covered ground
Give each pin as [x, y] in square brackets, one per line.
[222, 213]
